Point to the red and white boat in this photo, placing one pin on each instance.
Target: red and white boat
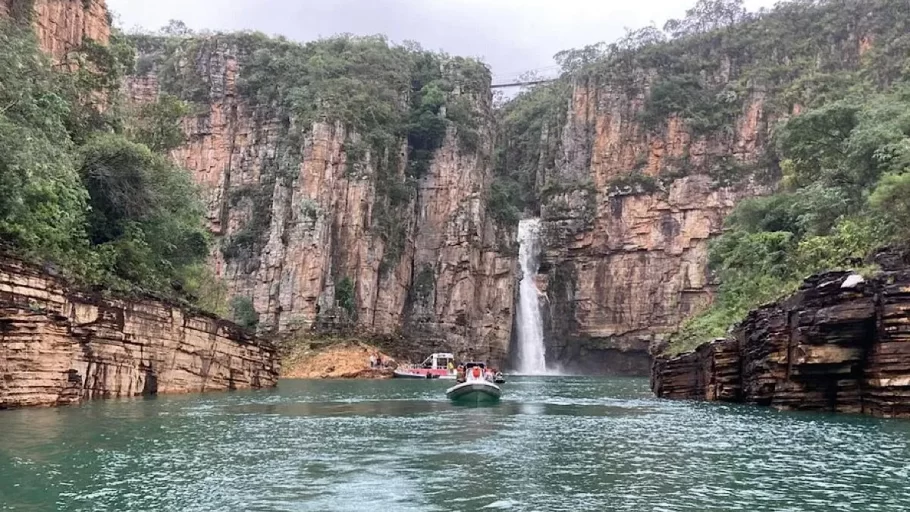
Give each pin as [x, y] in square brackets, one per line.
[434, 367]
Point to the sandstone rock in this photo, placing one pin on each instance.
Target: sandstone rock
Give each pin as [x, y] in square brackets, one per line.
[630, 268]
[61, 346]
[829, 347]
[63, 25]
[318, 220]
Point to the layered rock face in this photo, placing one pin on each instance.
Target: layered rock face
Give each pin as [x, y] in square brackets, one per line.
[449, 287]
[61, 346]
[624, 266]
[840, 344]
[63, 25]
[660, 142]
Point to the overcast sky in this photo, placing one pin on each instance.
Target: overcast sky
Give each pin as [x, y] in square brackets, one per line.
[512, 36]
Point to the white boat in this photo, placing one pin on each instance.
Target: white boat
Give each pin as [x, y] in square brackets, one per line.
[434, 367]
[477, 387]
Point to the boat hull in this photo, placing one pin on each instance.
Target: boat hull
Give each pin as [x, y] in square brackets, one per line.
[410, 375]
[476, 391]
[423, 373]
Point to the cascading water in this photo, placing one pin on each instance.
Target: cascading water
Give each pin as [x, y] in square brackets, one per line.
[531, 351]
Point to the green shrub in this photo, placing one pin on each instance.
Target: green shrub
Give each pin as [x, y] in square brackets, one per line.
[846, 194]
[144, 206]
[158, 125]
[502, 202]
[244, 313]
[345, 295]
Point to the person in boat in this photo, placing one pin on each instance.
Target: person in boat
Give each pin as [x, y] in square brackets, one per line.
[450, 366]
[460, 374]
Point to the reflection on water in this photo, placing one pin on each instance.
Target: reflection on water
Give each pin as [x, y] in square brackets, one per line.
[550, 444]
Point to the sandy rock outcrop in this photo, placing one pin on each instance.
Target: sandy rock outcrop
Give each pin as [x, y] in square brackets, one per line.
[339, 360]
[60, 346]
[839, 344]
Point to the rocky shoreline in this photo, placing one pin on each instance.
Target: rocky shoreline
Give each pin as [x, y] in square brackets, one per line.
[60, 345]
[333, 359]
[839, 344]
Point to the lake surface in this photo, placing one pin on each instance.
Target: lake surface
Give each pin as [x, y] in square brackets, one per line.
[552, 444]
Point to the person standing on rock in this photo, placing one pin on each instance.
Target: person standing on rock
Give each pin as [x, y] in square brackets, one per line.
[378, 360]
[372, 361]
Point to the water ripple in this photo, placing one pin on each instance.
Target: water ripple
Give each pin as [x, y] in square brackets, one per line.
[553, 444]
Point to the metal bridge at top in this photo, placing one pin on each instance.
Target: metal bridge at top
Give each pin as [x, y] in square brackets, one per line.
[505, 85]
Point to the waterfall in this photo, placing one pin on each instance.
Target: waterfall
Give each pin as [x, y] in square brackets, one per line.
[531, 352]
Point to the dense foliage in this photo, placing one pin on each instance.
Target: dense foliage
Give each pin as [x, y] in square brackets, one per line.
[81, 189]
[244, 313]
[844, 195]
[345, 296]
[525, 149]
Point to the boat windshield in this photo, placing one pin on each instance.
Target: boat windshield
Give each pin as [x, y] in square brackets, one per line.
[437, 361]
[472, 365]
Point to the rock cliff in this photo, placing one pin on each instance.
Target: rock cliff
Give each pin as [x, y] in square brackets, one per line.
[62, 25]
[653, 144]
[60, 345]
[839, 344]
[311, 209]
[626, 265]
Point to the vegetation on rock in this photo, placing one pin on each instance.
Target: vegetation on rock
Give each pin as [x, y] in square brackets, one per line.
[844, 194]
[841, 163]
[345, 296]
[244, 313]
[80, 189]
[703, 70]
[527, 129]
[385, 98]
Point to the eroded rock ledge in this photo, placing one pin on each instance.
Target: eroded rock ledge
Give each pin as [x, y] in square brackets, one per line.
[61, 346]
[840, 344]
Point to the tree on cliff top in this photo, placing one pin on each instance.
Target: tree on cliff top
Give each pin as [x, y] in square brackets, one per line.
[109, 210]
[707, 16]
[42, 204]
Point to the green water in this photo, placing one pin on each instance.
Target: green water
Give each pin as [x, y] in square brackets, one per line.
[551, 444]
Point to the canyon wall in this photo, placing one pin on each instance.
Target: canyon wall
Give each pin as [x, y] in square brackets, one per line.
[311, 214]
[624, 266]
[60, 345]
[660, 141]
[63, 25]
[840, 344]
